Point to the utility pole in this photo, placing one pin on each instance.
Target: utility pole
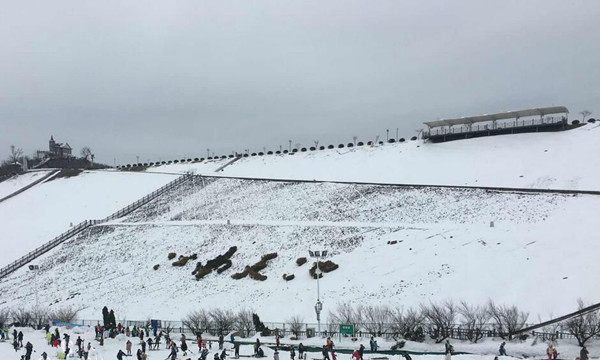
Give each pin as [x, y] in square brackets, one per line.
[319, 305]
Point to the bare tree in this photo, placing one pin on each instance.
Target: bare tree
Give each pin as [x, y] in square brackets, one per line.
[15, 154]
[198, 321]
[585, 113]
[4, 317]
[86, 153]
[296, 324]
[40, 317]
[22, 316]
[223, 320]
[66, 314]
[441, 319]
[408, 324]
[584, 327]
[474, 320]
[507, 319]
[345, 314]
[244, 323]
[376, 318]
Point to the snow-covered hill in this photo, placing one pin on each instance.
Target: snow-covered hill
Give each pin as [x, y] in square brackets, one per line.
[539, 254]
[37, 215]
[561, 160]
[18, 182]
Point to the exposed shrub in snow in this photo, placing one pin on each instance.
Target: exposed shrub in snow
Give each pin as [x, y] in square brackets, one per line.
[224, 267]
[253, 270]
[256, 276]
[340, 146]
[506, 319]
[331, 147]
[171, 256]
[440, 319]
[321, 147]
[220, 264]
[324, 266]
[301, 261]
[350, 145]
[401, 140]
[592, 120]
[259, 326]
[4, 318]
[294, 150]
[22, 316]
[369, 143]
[392, 140]
[155, 267]
[584, 327]
[360, 143]
[269, 153]
[303, 149]
[240, 275]
[182, 261]
[223, 320]
[288, 277]
[312, 148]
[575, 122]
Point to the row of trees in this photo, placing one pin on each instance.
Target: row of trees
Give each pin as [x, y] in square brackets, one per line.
[36, 317]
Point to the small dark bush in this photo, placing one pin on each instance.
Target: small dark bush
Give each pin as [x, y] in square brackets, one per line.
[140, 164]
[256, 276]
[340, 146]
[163, 162]
[171, 256]
[393, 242]
[201, 159]
[261, 265]
[182, 160]
[245, 155]
[381, 143]
[360, 143]
[196, 159]
[369, 143]
[391, 141]
[289, 277]
[303, 149]
[324, 266]
[350, 145]
[231, 156]
[321, 147]
[575, 122]
[175, 161]
[210, 158]
[413, 138]
[189, 160]
[155, 267]
[285, 151]
[277, 152]
[294, 150]
[224, 267]
[401, 140]
[301, 261]
[151, 164]
[592, 120]
[240, 275]
[145, 164]
[269, 256]
[128, 165]
[182, 261]
[202, 272]
[193, 256]
[312, 148]
[269, 153]
[261, 153]
[331, 147]
[224, 157]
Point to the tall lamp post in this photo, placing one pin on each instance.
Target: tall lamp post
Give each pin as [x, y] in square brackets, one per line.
[34, 269]
[319, 305]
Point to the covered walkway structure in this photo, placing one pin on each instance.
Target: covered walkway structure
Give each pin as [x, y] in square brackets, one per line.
[554, 118]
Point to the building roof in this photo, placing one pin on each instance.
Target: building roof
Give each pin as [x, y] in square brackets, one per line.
[498, 116]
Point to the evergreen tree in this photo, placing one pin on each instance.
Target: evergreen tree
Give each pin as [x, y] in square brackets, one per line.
[111, 319]
[105, 317]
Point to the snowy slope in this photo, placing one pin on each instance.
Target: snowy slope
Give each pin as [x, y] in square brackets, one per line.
[37, 215]
[446, 250]
[560, 160]
[18, 182]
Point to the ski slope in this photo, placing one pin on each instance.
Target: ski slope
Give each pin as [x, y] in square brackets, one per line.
[37, 215]
[18, 182]
[556, 160]
[445, 249]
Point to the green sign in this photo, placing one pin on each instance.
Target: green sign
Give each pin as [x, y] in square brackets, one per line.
[347, 329]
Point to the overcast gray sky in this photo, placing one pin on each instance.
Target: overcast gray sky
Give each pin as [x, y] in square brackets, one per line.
[169, 79]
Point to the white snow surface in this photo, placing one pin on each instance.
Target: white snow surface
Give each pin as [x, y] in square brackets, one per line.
[37, 215]
[445, 249]
[18, 182]
[553, 160]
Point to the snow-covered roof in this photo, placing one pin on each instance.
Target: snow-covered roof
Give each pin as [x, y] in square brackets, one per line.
[499, 116]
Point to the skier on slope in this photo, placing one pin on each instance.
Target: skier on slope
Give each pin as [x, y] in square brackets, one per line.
[28, 350]
[502, 350]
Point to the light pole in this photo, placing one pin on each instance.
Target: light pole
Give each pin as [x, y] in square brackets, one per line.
[319, 305]
[34, 269]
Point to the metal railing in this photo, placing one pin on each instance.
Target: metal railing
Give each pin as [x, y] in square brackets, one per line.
[32, 255]
[492, 127]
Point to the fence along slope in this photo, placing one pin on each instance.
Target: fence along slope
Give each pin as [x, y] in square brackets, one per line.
[12, 267]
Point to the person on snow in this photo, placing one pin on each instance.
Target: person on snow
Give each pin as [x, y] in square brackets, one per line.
[372, 343]
[355, 355]
[236, 350]
[216, 357]
[143, 343]
[325, 353]
[149, 341]
[28, 350]
[449, 350]
[127, 332]
[406, 355]
[232, 338]
[584, 354]
[276, 355]
[119, 355]
[16, 344]
[277, 342]
[184, 347]
[138, 354]
[128, 347]
[223, 354]
[15, 334]
[20, 338]
[502, 350]
[550, 351]
[301, 351]
[292, 353]
[333, 355]
[44, 356]
[157, 342]
[361, 351]
[260, 353]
